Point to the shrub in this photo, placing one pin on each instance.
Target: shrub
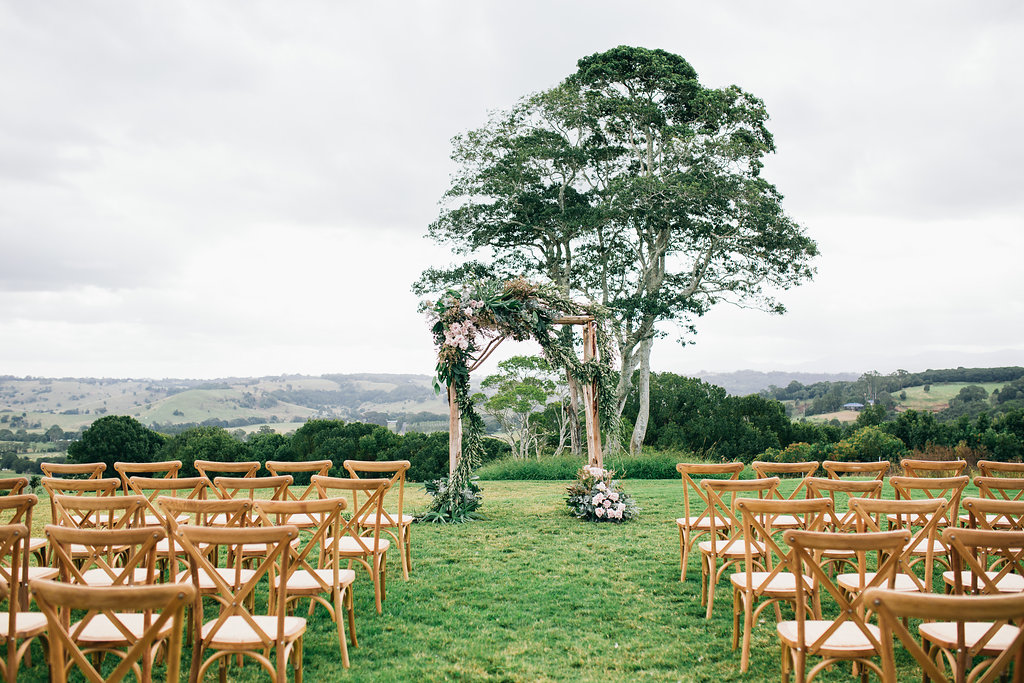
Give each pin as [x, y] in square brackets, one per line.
[869, 444]
[799, 452]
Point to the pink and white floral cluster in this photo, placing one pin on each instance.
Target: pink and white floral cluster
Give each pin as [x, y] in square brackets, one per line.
[597, 497]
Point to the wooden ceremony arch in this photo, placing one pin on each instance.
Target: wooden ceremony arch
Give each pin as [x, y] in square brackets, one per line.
[590, 394]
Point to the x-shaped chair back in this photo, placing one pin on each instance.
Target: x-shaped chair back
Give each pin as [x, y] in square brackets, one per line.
[991, 468]
[392, 470]
[757, 517]
[247, 487]
[806, 548]
[973, 547]
[212, 468]
[89, 470]
[106, 557]
[841, 491]
[235, 597]
[17, 509]
[188, 488]
[99, 512]
[723, 495]
[13, 485]
[1000, 488]
[327, 513]
[311, 467]
[994, 514]
[77, 487]
[933, 468]
[908, 514]
[837, 470]
[233, 513]
[729, 470]
[372, 507]
[168, 468]
[13, 538]
[787, 469]
[160, 605]
[949, 488]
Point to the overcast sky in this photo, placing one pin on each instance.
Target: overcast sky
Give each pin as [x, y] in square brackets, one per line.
[211, 189]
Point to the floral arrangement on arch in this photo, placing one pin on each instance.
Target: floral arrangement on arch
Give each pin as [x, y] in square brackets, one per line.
[468, 323]
[597, 497]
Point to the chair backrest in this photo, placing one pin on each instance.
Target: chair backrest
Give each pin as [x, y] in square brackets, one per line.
[991, 468]
[371, 509]
[933, 468]
[233, 513]
[806, 548]
[836, 470]
[91, 470]
[77, 487]
[924, 515]
[840, 492]
[168, 468]
[393, 470]
[234, 596]
[689, 470]
[787, 469]
[723, 495]
[106, 557]
[949, 488]
[757, 516]
[994, 513]
[971, 548]
[13, 485]
[326, 512]
[310, 467]
[13, 543]
[247, 487]
[1000, 488]
[103, 512]
[211, 468]
[895, 607]
[193, 488]
[160, 605]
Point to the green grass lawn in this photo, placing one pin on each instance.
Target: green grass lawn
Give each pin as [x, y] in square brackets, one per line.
[532, 594]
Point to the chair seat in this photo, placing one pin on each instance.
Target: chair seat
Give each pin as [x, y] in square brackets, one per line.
[99, 577]
[733, 548]
[226, 573]
[785, 522]
[851, 582]
[702, 523]
[349, 545]
[943, 633]
[916, 520]
[1010, 583]
[995, 521]
[302, 521]
[847, 641]
[101, 629]
[368, 520]
[261, 548]
[783, 583]
[35, 544]
[26, 624]
[42, 573]
[236, 631]
[304, 580]
[921, 547]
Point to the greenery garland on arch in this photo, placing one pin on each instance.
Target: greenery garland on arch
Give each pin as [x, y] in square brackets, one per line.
[468, 323]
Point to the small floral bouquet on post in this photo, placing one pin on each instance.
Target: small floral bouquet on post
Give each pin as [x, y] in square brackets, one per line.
[596, 497]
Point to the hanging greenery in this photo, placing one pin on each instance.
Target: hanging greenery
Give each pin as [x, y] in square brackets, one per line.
[468, 323]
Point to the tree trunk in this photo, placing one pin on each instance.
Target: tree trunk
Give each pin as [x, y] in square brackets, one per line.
[636, 442]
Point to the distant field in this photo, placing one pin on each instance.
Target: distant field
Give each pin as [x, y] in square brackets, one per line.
[841, 415]
[940, 394]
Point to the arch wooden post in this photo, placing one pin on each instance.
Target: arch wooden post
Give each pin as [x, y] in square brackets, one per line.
[454, 432]
[590, 393]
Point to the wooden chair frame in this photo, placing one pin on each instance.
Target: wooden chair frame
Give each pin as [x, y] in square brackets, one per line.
[126, 470]
[19, 624]
[950, 488]
[770, 586]
[13, 485]
[229, 514]
[731, 546]
[782, 469]
[927, 468]
[923, 514]
[120, 556]
[263, 635]
[57, 470]
[77, 487]
[843, 520]
[973, 547]
[207, 467]
[894, 608]
[398, 525]
[836, 470]
[153, 488]
[20, 507]
[1000, 488]
[992, 468]
[806, 548]
[994, 514]
[162, 607]
[361, 548]
[692, 528]
[314, 581]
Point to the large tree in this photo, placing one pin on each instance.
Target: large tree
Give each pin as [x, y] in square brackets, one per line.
[634, 186]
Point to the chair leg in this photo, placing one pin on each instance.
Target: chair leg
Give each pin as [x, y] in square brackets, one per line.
[683, 555]
[351, 616]
[340, 623]
[748, 625]
[712, 580]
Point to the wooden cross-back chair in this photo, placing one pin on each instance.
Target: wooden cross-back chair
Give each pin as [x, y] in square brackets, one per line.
[236, 629]
[88, 470]
[17, 509]
[20, 627]
[160, 617]
[774, 583]
[251, 488]
[212, 468]
[692, 527]
[994, 513]
[351, 543]
[994, 561]
[77, 487]
[874, 470]
[933, 468]
[13, 485]
[722, 496]
[950, 488]
[1001, 488]
[909, 514]
[36, 546]
[193, 488]
[991, 468]
[95, 512]
[396, 523]
[849, 636]
[106, 557]
[843, 520]
[126, 470]
[995, 624]
[313, 576]
[787, 469]
[298, 470]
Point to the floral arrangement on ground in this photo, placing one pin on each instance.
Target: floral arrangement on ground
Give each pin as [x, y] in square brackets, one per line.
[596, 496]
